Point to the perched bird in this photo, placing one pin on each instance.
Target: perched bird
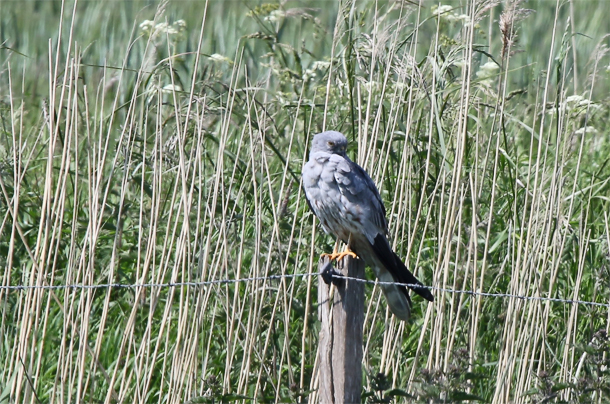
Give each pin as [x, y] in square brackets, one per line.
[345, 199]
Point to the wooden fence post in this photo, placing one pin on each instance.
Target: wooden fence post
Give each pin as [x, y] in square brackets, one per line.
[342, 318]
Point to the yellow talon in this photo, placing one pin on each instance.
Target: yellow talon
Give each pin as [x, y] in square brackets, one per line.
[339, 255]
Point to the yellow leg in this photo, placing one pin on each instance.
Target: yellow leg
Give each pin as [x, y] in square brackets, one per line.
[339, 255]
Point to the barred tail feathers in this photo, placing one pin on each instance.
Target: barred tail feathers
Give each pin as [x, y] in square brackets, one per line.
[397, 296]
[397, 268]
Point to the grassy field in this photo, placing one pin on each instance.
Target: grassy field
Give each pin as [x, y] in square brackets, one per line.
[145, 143]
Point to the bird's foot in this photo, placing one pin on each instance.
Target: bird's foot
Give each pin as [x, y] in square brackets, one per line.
[330, 275]
[336, 256]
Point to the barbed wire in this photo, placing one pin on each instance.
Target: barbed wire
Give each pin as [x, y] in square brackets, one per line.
[482, 294]
[154, 285]
[292, 276]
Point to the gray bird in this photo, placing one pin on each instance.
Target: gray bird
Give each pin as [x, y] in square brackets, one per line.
[345, 199]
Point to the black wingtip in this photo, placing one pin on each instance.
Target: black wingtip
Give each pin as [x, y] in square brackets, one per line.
[397, 268]
[424, 292]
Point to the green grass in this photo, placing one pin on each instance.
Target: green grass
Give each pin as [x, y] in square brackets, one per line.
[127, 156]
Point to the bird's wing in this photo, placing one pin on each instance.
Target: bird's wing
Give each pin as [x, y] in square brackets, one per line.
[312, 171]
[361, 198]
[363, 203]
[309, 203]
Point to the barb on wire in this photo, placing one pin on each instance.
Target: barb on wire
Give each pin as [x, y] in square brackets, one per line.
[291, 276]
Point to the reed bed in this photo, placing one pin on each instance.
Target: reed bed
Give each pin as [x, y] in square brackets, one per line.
[144, 144]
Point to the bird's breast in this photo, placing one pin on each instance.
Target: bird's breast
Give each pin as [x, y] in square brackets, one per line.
[336, 213]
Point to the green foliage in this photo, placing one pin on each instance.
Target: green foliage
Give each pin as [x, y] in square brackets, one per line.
[456, 385]
[591, 382]
[128, 157]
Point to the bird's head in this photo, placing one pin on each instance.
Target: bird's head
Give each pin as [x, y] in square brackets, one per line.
[329, 142]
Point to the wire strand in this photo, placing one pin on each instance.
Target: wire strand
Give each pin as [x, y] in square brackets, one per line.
[292, 276]
[482, 294]
[153, 285]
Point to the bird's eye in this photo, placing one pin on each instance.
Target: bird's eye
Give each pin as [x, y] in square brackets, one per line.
[331, 144]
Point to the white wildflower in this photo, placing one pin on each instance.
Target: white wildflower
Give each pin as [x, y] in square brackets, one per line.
[463, 17]
[588, 129]
[445, 12]
[489, 68]
[459, 63]
[320, 65]
[317, 66]
[216, 57]
[174, 31]
[178, 30]
[275, 16]
[585, 103]
[578, 102]
[170, 88]
[442, 9]
[161, 27]
[452, 17]
[487, 72]
[309, 75]
[281, 99]
[576, 99]
[147, 25]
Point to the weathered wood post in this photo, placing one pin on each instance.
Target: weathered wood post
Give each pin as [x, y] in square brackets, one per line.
[342, 318]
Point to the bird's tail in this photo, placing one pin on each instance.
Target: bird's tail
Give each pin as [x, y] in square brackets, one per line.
[403, 275]
[397, 269]
[397, 296]
[389, 268]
